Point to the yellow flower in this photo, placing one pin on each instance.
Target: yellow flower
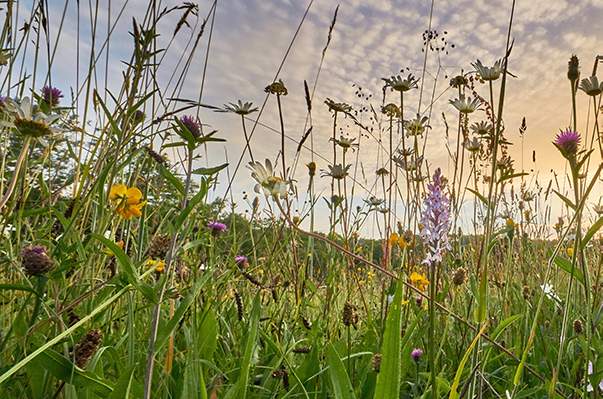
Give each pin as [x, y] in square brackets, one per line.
[393, 239]
[158, 265]
[127, 201]
[570, 251]
[419, 281]
[510, 223]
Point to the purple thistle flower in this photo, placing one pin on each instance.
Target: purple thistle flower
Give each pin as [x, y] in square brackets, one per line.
[241, 260]
[435, 220]
[51, 95]
[216, 227]
[192, 124]
[416, 354]
[567, 143]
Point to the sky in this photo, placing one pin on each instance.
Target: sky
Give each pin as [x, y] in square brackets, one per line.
[371, 40]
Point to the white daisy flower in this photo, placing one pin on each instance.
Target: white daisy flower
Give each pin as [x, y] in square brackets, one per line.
[28, 120]
[267, 180]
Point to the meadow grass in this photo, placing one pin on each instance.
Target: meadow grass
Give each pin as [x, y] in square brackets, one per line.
[120, 278]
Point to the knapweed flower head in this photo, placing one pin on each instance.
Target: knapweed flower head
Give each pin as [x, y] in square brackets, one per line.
[127, 201]
[266, 179]
[240, 108]
[435, 220]
[216, 227]
[241, 260]
[488, 73]
[277, 88]
[192, 124]
[35, 260]
[51, 95]
[4, 57]
[28, 120]
[459, 81]
[416, 354]
[466, 105]
[567, 143]
[397, 83]
[591, 86]
[311, 168]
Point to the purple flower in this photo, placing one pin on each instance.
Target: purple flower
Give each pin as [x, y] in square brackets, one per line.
[241, 260]
[416, 354]
[435, 220]
[216, 227]
[51, 95]
[567, 143]
[192, 124]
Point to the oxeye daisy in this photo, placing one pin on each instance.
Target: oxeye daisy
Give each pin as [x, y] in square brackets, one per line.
[28, 120]
[466, 105]
[400, 84]
[591, 86]
[488, 73]
[266, 179]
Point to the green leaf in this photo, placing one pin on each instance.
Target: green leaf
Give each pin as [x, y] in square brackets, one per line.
[459, 371]
[342, 387]
[179, 221]
[478, 195]
[509, 177]
[63, 369]
[124, 386]
[209, 171]
[388, 380]
[173, 180]
[208, 335]
[566, 265]
[166, 330]
[591, 232]
[565, 199]
[239, 390]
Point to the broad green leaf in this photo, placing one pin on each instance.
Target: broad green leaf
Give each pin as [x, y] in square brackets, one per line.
[591, 232]
[209, 171]
[388, 380]
[566, 265]
[63, 369]
[567, 201]
[340, 381]
[459, 371]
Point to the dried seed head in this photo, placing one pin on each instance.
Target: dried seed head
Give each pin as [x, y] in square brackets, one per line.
[301, 349]
[239, 303]
[349, 316]
[159, 247]
[160, 159]
[526, 292]
[35, 260]
[87, 347]
[578, 328]
[376, 362]
[573, 68]
[460, 276]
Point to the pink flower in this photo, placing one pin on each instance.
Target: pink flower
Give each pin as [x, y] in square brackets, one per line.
[416, 354]
[51, 95]
[192, 124]
[216, 227]
[567, 143]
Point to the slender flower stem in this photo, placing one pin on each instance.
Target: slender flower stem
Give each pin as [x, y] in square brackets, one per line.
[13, 182]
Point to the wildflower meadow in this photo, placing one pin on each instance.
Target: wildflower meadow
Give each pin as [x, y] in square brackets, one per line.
[170, 228]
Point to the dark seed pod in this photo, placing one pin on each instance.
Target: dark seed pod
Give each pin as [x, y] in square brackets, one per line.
[459, 276]
[307, 324]
[376, 362]
[87, 347]
[72, 318]
[159, 247]
[301, 349]
[155, 156]
[578, 328]
[239, 303]
[349, 316]
[35, 260]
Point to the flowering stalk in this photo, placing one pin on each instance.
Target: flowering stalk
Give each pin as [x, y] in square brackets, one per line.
[435, 223]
